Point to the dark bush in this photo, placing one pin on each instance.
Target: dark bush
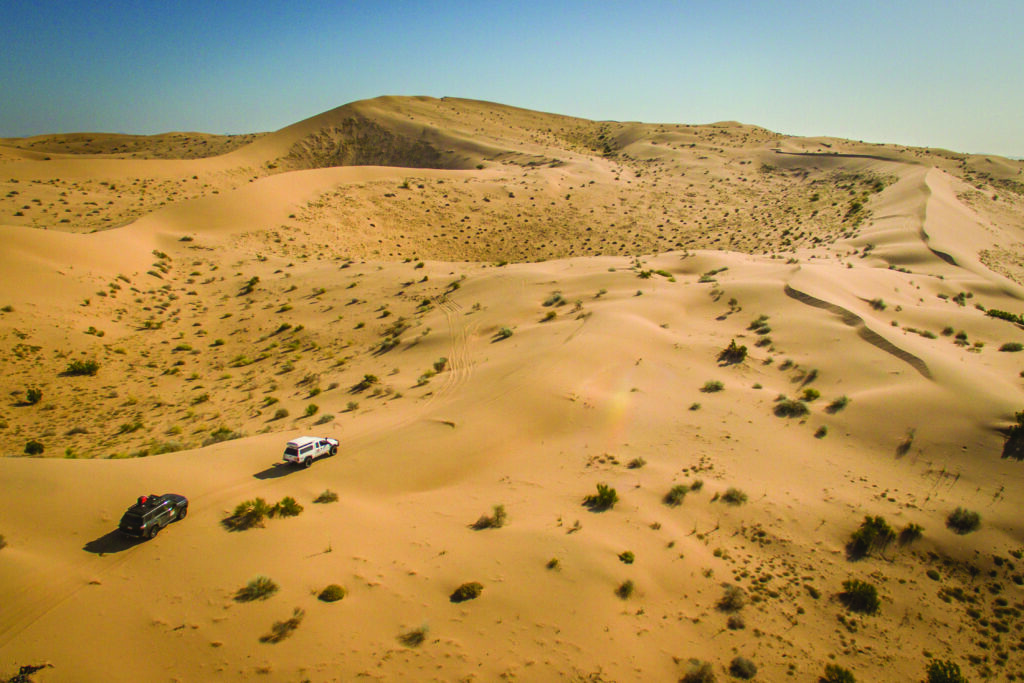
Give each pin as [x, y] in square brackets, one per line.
[675, 495]
[944, 671]
[282, 629]
[33, 395]
[860, 596]
[962, 521]
[605, 499]
[732, 354]
[247, 514]
[331, 593]
[874, 534]
[790, 408]
[34, 448]
[260, 588]
[733, 598]
[496, 520]
[467, 591]
[286, 507]
[328, 496]
[910, 533]
[741, 667]
[699, 672]
[81, 367]
[625, 589]
[836, 674]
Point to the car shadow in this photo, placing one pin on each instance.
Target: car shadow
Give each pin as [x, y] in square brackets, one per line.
[278, 469]
[110, 542]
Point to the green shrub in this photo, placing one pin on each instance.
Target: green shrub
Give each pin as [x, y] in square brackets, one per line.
[732, 354]
[789, 408]
[220, 434]
[286, 507]
[467, 591]
[496, 520]
[281, 413]
[1012, 347]
[734, 496]
[741, 667]
[836, 674]
[944, 671]
[282, 629]
[34, 448]
[675, 495]
[699, 672]
[328, 496]
[636, 463]
[874, 534]
[331, 593]
[605, 499]
[312, 409]
[821, 432]
[247, 514]
[711, 386]
[414, 638]
[810, 395]
[860, 596]
[33, 395]
[837, 405]
[625, 589]
[552, 563]
[260, 588]
[627, 557]
[962, 521]
[440, 364]
[503, 333]
[81, 367]
[365, 383]
[878, 304]
[733, 598]
[910, 533]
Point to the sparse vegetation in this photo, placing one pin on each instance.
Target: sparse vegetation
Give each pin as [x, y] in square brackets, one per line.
[860, 596]
[836, 674]
[962, 521]
[873, 535]
[675, 495]
[260, 588]
[944, 671]
[282, 629]
[734, 496]
[604, 499]
[247, 514]
[741, 667]
[495, 520]
[331, 593]
[467, 591]
[328, 496]
[732, 354]
[78, 368]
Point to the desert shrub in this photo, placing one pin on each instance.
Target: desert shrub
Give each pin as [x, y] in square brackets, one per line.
[699, 672]
[878, 304]
[735, 622]
[286, 507]
[81, 367]
[810, 395]
[903, 447]
[636, 463]
[944, 671]
[1014, 446]
[413, 638]
[248, 514]
[331, 593]
[910, 533]
[328, 496]
[280, 413]
[440, 364]
[933, 574]
[821, 432]
[495, 520]
[627, 557]
[221, 434]
[260, 588]
[733, 598]
[733, 353]
[467, 591]
[711, 386]
[675, 495]
[34, 448]
[787, 407]
[874, 534]
[962, 521]
[741, 667]
[282, 629]
[556, 299]
[1012, 347]
[312, 409]
[604, 499]
[324, 419]
[365, 383]
[860, 596]
[550, 315]
[503, 333]
[836, 674]
[33, 395]
[734, 496]
[837, 405]
[625, 589]
[696, 485]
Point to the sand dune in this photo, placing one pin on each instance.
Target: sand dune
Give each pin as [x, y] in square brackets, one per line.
[491, 306]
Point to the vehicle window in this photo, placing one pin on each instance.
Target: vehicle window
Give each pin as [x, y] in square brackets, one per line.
[291, 450]
[306, 449]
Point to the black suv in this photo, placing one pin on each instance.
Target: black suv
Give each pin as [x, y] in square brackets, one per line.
[152, 513]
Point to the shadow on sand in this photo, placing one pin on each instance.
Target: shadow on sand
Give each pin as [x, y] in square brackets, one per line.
[110, 542]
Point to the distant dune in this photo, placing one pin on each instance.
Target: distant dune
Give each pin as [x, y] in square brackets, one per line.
[756, 340]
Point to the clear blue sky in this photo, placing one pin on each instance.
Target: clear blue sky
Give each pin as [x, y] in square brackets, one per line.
[939, 73]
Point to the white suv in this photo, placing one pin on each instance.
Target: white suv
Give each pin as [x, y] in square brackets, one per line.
[305, 449]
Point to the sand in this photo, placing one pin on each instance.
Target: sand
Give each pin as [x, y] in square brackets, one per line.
[541, 302]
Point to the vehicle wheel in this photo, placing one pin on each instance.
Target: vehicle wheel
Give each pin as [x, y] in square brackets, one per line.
[307, 462]
[334, 450]
[183, 512]
[154, 531]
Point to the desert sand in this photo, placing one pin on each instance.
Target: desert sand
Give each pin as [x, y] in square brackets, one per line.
[489, 306]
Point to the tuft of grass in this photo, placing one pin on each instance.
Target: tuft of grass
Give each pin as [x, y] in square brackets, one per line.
[627, 557]
[286, 507]
[636, 463]
[741, 667]
[331, 593]
[732, 354]
[280, 413]
[328, 496]
[282, 629]
[837, 405]
[711, 386]
[733, 598]
[553, 563]
[467, 591]
[837, 674]
[675, 495]
[414, 638]
[495, 520]
[787, 407]
[860, 596]
[944, 671]
[625, 589]
[260, 588]
[734, 496]
[604, 499]
[503, 333]
[699, 672]
[910, 533]
[810, 395]
[962, 521]
[77, 368]
[874, 534]
[247, 514]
